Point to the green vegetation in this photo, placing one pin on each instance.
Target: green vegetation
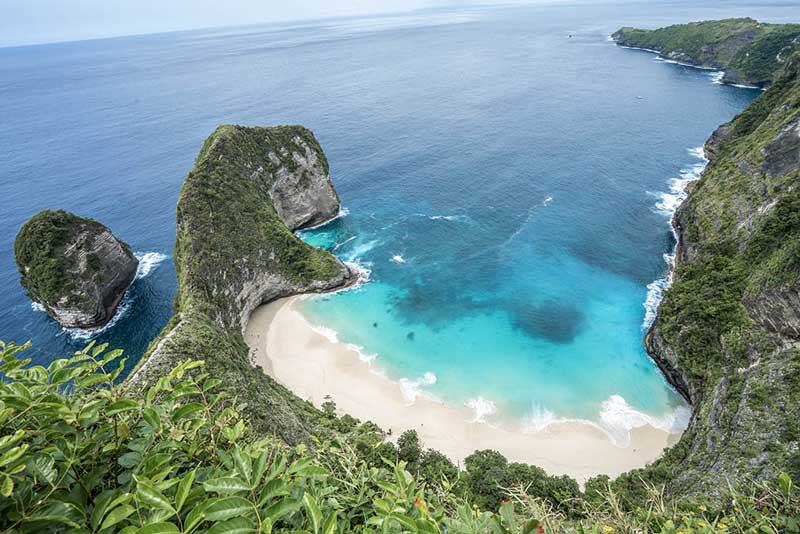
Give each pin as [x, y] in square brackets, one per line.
[749, 51]
[38, 249]
[232, 253]
[728, 316]
[77, 454]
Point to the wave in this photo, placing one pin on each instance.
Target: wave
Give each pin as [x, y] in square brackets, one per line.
[540, 419]
[362, 271]
[343, 212]
[333, 336]
[682, 64]
[454, 218]
[148, 262]
[667, 205]
[337, 246]
[616, 419]
[359, 250]
[411, 388]
[481, 408]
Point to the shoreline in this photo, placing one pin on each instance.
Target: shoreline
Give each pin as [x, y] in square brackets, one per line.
[287, 347]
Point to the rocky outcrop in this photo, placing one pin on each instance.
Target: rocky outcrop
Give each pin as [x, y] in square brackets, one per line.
[74, 267]
[235, 250]
[782, 155]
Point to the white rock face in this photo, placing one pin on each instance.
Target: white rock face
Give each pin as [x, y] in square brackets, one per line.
[303, 196]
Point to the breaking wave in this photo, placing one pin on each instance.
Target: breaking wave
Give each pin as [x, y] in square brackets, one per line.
[411, 388]
[616, 419]
[667, 205]
[481, 408]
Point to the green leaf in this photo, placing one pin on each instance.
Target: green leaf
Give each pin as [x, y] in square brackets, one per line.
[184, 487]
[152, 418]
[312, 509]
[530, 526]
[100, 508]
[148, 494]
[187, 410]
[225, 485]
[330, 524]
[237, 525]
[281, 508]
[158, 528]
[211, 383]
[227, 507]
[13, 454]
[7, 486]
[243, 465]
[122, 405]
[116, 515]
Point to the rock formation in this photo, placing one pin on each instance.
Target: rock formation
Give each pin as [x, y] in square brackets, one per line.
[235, 250]
[74, 267]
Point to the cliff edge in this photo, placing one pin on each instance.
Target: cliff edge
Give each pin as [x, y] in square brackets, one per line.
[235, 250]
[727, 333]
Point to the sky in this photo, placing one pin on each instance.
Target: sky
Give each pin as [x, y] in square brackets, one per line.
[46, 21]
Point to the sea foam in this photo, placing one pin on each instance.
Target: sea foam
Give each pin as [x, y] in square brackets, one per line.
[667, 204]
[481, 408]
[618, 418]
[411, 388]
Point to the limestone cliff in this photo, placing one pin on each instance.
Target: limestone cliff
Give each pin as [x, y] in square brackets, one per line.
[728, 331]
[74, 267]
[235, 250]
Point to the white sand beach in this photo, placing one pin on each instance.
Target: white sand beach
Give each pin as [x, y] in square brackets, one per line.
[286, 346]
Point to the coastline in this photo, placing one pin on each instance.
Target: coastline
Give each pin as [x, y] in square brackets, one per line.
[286, 346]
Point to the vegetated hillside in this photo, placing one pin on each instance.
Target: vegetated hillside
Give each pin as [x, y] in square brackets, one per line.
[728, 330]
[234, 252]
[750, 52]
[78, 455]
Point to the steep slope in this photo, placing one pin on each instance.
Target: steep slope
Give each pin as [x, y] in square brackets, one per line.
[728, 331]
[74, 267]
[235, 250]
[750, 52]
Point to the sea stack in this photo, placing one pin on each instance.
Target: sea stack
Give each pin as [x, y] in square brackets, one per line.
[74, 267]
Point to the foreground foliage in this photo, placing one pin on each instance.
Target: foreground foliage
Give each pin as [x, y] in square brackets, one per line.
[78, 455]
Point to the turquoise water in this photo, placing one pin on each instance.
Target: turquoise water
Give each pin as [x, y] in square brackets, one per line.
[508, 186]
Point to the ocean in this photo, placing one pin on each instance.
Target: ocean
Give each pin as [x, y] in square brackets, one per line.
[507, 176]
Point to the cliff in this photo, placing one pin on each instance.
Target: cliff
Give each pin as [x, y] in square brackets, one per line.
[728, 330]
[750, 52]
[235, 250]
[74, 267]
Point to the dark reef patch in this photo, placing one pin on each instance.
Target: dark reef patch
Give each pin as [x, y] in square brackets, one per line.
[551, 320]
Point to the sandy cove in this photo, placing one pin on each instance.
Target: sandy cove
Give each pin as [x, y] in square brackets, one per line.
[285, 345]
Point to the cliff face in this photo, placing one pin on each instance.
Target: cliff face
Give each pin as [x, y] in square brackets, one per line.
[235, 250]
[728, 331]
[74, 267]
[749, 52]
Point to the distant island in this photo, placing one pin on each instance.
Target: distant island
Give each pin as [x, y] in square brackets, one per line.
[198, 438]
[750, 52]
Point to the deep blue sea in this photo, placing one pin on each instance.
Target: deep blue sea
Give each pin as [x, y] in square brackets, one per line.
[508, 175]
